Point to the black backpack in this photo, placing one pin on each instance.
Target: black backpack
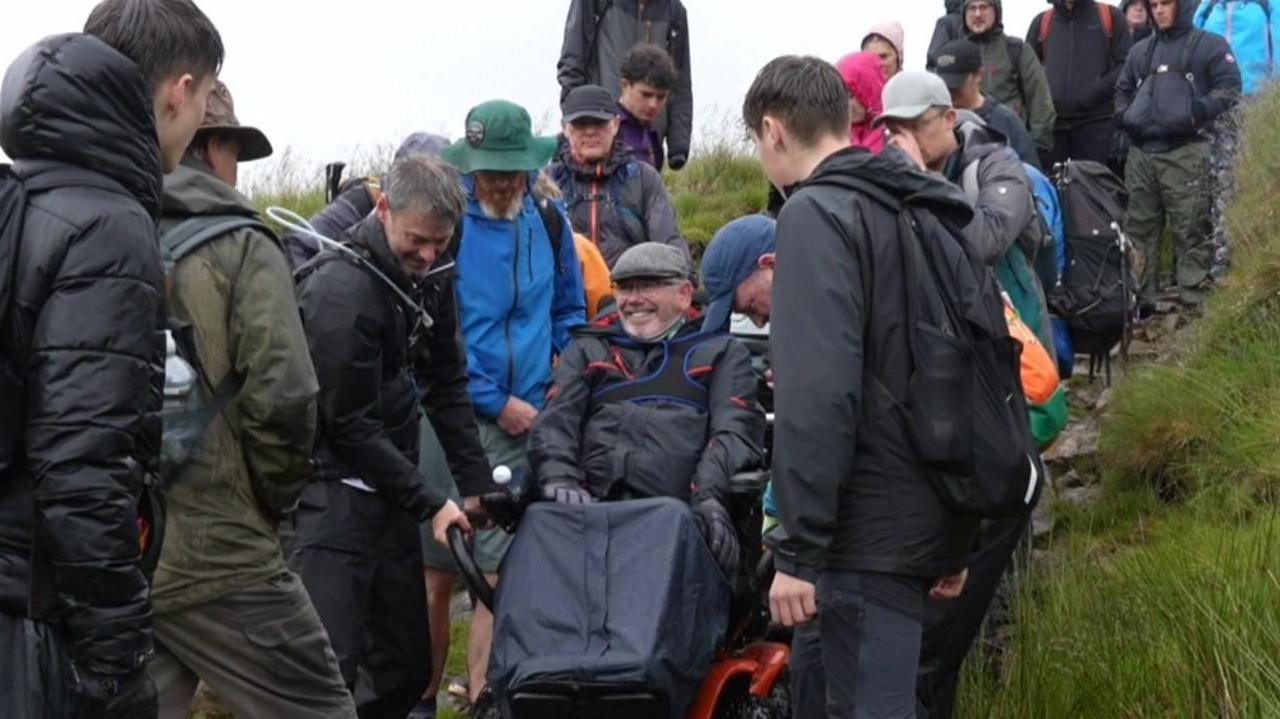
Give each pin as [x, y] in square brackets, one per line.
[13, 202]
[1098, 292]
[965, 411]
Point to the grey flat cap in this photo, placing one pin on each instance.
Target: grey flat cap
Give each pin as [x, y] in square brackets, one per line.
[651, 260]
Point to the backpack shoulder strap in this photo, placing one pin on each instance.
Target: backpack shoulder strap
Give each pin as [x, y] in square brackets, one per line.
[1014, 47]
[190, 234]
[1107, 19]
[554, 225]
[1188, 50]
[1046, 25]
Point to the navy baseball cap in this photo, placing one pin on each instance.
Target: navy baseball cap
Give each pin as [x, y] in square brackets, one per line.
[733, 255]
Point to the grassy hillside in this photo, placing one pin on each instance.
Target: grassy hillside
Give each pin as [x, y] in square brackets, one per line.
[1163, 599]
[719, 185]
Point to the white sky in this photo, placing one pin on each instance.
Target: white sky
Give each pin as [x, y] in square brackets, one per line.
[328, 81]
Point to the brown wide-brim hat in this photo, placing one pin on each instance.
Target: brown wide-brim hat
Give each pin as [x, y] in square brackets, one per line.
[254, 145]
[220, 119]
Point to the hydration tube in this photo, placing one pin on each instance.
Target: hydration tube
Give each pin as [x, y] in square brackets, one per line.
[293, 221]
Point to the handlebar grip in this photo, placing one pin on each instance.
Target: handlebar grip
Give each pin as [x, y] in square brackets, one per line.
[460, 548]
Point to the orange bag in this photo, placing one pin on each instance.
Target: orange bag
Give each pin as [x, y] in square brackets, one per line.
[595, 275]
[1039, 371]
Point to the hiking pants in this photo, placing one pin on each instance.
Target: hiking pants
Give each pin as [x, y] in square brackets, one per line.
[261, 649]
[1085, 141]
[359, 557]
[951, 626]
[1171, 189]
[858, 657]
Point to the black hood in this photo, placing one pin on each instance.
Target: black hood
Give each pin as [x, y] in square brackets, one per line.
[996, 30]
[953, 6]
[1181, 26]
[1082, 6]
[73, 99]
[894, 173]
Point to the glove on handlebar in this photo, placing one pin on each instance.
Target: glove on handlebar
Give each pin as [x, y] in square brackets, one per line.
[718, 531]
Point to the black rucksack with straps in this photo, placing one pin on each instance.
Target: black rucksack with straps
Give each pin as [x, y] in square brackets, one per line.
[186, 414]
[13, 202]
[964, 411]
[1098, 293]
[1162, 103]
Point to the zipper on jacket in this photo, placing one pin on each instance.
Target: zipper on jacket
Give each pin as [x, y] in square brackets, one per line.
[595, 206]
[515, 302]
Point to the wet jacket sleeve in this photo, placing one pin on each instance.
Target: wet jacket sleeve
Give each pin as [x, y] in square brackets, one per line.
[735, 426]
[345, 334]
[1041, 115]
[277, 403]
[1224, 81]
[95, 386]
[659, 215]
[1003, 208]
[556, 437]
[579, 36]
[817, 353]
[569, 305]
[448, 404]
[680, 110]
[1127, 84]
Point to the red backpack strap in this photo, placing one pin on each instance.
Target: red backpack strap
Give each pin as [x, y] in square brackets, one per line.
[1108, 20]
[1046, 26]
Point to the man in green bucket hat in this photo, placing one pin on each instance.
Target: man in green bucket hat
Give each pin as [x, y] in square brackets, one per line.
[519, 292]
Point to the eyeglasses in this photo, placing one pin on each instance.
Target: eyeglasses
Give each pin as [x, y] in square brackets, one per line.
[916, 125]
[644, 287]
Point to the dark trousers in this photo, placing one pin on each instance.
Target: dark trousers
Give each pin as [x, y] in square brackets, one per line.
[858, 658]
[1086, 141]
[360, 559]
[36, 680]
[952, 626]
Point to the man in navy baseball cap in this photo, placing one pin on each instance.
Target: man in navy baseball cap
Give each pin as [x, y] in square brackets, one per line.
[737, 270]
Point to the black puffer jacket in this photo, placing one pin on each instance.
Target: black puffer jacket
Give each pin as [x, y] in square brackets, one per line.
[1159, 110]
[76, 116]
[371, 361]
[851, 494]
[660, 444]
[1081, 61]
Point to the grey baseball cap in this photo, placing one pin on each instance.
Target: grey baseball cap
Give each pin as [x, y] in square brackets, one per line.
[910, 94]
[651, 260]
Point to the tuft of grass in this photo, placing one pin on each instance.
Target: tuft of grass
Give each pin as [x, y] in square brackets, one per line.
[1163, 600]
[721, 184]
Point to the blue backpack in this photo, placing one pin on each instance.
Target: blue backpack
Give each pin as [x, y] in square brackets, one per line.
[1051, 213]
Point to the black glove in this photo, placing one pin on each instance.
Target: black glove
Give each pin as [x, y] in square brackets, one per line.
[566, 493]
[676, 162]
[717, 529]
[122, 696]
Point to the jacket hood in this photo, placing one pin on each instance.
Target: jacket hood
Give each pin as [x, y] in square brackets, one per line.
[996, 30]
[1082, 6]
[864, 79]
[73, 99]
[193, 189]
[893, 173]
[1183, 23]
[953, 6]
[977, 141]
[893, 32]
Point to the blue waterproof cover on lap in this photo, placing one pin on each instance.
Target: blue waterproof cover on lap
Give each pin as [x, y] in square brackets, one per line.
[622, 593]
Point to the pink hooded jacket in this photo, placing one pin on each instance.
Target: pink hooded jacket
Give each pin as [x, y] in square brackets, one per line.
[864, 79]
[893, 32]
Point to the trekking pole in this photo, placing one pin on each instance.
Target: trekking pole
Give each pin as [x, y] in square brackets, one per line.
[1123, 241]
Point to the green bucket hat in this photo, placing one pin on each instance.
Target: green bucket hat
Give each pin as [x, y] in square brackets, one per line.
[499, 138]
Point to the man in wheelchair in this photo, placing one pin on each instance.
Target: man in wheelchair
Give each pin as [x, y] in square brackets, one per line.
[645, 404]
[612, 608]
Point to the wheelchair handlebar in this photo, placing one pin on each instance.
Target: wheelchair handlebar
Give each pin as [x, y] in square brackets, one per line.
[460, 548]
